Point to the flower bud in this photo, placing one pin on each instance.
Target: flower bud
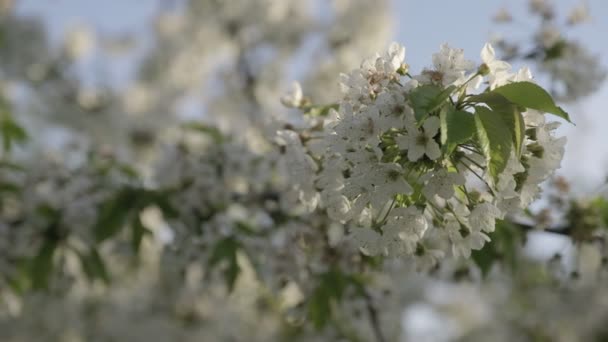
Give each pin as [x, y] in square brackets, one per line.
[419, 249]
[403, 69]
[536, 149]
[483, 69]
[531, 134]
[474, 196]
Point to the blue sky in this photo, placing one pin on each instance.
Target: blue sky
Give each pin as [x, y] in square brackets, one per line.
[421, 25]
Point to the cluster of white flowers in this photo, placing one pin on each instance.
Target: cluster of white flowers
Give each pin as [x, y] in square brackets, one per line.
[384, 166]
[51, 202]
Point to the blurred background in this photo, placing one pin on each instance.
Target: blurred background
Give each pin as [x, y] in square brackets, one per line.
[122, 78]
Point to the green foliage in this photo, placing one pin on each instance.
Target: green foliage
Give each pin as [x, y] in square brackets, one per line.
[115, 213]
[530, 95]
[509, 112]
[331, 288]
[41, 266]
[457, 127]
[94, 266]
[125, 206]
[211, 131]
[503, 247]
[320, 110]
[138, 230]
[225, 251]
[495, 139]
[11, 132]
[556, 50]
[9, 187]
[427, 99]
[600, 204]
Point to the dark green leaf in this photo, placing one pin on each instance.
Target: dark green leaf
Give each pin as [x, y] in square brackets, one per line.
[332, 286]
[485, 257]
[495, 139]
[321, 110]
[94, 266]
[19, 281]
[138, 230]
[556, 50]
[503, 247]
[530, 95]
[226, 250]
[509, 112]
[11, 133]
[114, 214]
[601, 205]
[41, 265]
[319, 308]
[8, 187]
[457, 127]
[12, 166]
[213, 132]
[427, 99]
[162, 201]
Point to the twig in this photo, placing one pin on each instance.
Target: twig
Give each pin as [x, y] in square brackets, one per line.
[373, 317]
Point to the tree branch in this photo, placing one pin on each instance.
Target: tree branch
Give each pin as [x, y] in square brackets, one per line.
[564, 231]
[373, 317]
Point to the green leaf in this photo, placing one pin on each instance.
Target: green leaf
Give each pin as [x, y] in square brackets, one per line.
[138, 230]
[319, 308]
[332, 286]
[530, 95]
[11, 133]
[556, 50]
[114, 214]
[94, 266]
[457, 127]
[213, 132]
[320, 110]
[41, 266]
[9, 187]
[11, 166]
[509, 112]
[226, 250]
[495, 139]
[20, 279]
[485, 257]
[503, 247]
[601, 205]
[427, 99]
[161, 199]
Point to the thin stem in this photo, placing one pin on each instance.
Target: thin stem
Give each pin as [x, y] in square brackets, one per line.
[466, 193]
[470, 149]
[474, 162]
[480, 178]
[381, 222]
[373, 317]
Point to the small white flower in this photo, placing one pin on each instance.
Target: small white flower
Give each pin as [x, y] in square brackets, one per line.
[483, 217]
[294, 97]
[579, 14]
[429, 259]
[395, 56]
[338, 207]
[451, 64]
[499, 70]
[441, 183]
[403, 230]
[368, 240]
[419, 143]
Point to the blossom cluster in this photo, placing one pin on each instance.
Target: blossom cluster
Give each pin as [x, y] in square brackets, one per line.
[425, 164]
[48, 206]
